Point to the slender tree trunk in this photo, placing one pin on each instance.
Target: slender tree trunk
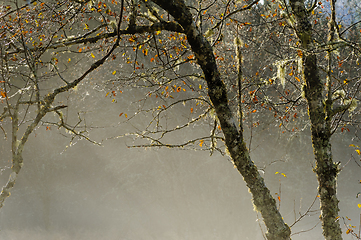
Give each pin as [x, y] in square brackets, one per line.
[320, 114]
[262, 198]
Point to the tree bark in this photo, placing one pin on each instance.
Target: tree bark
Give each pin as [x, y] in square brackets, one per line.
[320, 115]
[262, 198]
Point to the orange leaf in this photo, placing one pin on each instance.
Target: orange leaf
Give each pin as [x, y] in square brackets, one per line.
[298, 79]
[3, 94]
[178, 89]
[120, 114]
[152, 59]
[191, 110]
[279, 198]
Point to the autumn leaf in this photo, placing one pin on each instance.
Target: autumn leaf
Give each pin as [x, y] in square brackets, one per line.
[281, 174]
[201, 143]
[3, 94]
[359, 205]
[358, 151]
[120, 114]
[297, 79]
[114, 72]
[279, 198]
[92, 55]
[191, 110]
[178, 89]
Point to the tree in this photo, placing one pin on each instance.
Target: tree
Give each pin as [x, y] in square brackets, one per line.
[112, 28]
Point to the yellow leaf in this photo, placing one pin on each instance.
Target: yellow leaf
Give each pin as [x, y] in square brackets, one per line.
[276, 172]
[92, 55]
[69, 59]
[200, 86]
[358, 151]
[114, 72]
[3, 94]
[351, 145]
[201, 143]
[359, 205]
[126, 115]
[284, 175]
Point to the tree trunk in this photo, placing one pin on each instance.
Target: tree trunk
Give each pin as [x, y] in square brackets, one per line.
[320, 118]
[262, 198]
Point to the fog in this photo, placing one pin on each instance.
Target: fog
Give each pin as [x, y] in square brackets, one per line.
[85, 191]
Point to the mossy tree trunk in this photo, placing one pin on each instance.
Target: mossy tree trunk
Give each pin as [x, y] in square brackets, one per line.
[320, 114]
[262, 198]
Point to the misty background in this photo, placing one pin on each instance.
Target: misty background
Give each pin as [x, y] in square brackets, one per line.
[85, 191]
